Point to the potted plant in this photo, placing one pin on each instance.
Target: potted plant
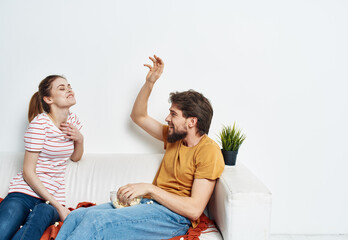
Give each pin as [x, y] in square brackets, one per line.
[231, 138]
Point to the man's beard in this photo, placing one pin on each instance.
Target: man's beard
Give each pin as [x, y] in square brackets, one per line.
[176, 136]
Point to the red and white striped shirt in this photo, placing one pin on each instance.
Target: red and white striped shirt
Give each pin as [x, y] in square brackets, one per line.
[44, 137]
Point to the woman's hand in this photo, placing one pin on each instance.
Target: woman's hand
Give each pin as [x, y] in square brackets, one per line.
[156, 70]
[131, 191]
[63, 212]
[71, 132]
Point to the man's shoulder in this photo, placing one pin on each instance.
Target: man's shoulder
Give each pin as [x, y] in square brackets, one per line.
[208, 148]
[208, 143]
[209, 160]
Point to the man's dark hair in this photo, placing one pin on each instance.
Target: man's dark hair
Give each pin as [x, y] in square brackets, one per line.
[194, 104]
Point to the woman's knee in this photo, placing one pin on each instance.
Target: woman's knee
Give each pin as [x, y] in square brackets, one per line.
[44, 209]
[45, 212]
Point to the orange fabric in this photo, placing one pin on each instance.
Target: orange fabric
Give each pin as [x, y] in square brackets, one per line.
[194, 233]
[52, 231]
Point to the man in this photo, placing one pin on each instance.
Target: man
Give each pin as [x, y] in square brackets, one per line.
[182, 186]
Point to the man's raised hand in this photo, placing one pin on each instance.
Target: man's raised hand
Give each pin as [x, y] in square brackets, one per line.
[156, 70]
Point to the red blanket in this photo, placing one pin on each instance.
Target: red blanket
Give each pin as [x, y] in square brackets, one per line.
[192, 234]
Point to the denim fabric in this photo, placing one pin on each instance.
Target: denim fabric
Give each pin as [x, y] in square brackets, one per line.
[20, 209]
[143, 221]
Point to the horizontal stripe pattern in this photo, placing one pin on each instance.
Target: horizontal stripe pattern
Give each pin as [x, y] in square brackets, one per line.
[55, 149]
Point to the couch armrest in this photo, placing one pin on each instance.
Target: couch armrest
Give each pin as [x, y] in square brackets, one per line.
[241, 205]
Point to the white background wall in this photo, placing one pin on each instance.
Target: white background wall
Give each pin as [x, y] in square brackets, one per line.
[278, 68]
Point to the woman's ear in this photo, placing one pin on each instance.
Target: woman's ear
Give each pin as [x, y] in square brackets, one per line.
[47, 100]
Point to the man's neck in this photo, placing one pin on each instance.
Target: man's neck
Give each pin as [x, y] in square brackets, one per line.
[192, 140]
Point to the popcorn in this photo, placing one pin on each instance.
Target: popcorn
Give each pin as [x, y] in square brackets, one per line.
[118, 204]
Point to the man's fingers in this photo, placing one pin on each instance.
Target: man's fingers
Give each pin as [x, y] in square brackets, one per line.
[149, 66]
[159, 60]
[125, 198]
[122, 191]
[153, 60]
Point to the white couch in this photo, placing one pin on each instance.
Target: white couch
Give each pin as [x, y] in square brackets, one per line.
[240, 205]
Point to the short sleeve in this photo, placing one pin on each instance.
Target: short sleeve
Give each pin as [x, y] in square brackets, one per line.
[74, 119]
[34, 137]
[209, 162]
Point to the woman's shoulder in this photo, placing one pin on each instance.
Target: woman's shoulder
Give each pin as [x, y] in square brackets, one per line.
[41, 118]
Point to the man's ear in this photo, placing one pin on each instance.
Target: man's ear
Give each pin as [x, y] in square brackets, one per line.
[192, 122]
[47, 100]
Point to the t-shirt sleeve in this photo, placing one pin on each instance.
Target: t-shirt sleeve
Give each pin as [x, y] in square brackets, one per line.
[165, 134]
[34, 137]
[76, 121]
[209, 163]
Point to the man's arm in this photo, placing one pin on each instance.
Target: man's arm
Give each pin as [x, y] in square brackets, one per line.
[139, 112]
[191, 207]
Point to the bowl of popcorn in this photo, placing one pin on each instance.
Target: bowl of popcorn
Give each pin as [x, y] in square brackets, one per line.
[118, 204]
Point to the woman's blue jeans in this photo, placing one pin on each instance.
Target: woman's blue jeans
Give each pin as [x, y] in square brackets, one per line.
[143, 221]
[33, 214]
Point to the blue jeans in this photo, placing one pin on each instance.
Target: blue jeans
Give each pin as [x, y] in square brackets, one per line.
[143, 221]
[20, 209]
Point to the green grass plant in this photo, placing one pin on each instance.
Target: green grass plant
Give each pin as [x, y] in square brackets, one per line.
[231, 138]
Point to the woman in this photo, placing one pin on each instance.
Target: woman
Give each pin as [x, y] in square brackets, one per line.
[36, 195]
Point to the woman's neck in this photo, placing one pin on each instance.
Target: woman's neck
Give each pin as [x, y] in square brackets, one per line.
[59, 116]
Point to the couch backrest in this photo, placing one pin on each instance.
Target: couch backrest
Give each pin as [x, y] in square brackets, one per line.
[92, 178]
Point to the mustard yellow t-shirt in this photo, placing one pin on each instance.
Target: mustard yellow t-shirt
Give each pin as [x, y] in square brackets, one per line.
[182, 164]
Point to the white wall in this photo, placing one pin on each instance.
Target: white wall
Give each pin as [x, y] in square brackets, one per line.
[278, 68]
